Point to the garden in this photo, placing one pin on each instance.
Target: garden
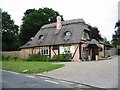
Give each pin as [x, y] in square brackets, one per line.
[36, 63]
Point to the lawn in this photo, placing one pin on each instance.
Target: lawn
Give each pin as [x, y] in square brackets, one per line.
[33, 67]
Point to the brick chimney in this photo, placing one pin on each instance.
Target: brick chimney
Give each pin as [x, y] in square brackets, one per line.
[58, 24]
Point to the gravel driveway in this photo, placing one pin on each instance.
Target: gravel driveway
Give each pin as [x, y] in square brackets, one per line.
[102, 74]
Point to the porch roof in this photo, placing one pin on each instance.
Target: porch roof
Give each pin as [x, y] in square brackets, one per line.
[94, 42]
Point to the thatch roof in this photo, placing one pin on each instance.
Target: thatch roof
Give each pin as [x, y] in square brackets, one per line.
[51, 36]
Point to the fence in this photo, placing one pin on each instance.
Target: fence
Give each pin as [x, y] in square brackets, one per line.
[11, 53]
[111, 52]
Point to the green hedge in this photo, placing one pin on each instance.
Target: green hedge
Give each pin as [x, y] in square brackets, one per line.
[9, 58]
[37, 57]
[57, 58]
[61, 58]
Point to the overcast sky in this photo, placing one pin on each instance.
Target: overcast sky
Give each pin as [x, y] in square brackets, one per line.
[100, 13]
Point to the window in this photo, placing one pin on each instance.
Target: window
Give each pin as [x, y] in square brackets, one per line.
[66, 49]
[45, 50]
[31, 39]
[85, 35]
[40, 38]
[67, 33]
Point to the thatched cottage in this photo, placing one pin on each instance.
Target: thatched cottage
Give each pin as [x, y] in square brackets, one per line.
[70, 36]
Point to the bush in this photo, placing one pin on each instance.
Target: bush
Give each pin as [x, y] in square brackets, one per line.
[56, 58]
[61, 58]
[37, 57]
[5, 57]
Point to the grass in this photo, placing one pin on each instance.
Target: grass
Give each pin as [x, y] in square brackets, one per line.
[33, 67]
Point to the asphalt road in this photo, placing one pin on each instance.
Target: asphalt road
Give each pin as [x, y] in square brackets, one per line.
[16, 80]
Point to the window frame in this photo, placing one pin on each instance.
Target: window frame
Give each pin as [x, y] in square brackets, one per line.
[45, 50]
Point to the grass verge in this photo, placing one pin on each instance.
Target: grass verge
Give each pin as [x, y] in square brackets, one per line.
[33, 67]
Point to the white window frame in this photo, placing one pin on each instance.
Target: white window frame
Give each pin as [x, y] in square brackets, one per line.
[45, 50]
[66, 49]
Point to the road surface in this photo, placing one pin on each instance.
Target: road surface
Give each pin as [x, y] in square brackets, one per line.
[16, 80]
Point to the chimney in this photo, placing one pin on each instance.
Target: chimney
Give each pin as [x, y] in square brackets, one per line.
[58, 25]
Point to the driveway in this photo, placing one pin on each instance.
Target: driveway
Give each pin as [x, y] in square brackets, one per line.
[102, 74]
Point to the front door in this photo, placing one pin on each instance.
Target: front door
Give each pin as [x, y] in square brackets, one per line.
[95, 51]
[93, 54]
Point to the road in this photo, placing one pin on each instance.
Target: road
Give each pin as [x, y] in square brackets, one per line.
[23, 81]
[16, 80]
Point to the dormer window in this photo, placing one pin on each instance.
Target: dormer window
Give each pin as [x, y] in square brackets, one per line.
[40, 38]
[31, 39]
[67, 35]
[85, 35]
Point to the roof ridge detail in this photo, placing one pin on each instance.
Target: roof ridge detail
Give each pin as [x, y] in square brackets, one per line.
[67, 22]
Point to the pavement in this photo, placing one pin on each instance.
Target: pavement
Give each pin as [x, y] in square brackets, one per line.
[101, 74]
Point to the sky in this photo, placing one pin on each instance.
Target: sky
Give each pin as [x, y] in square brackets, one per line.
[100, 13]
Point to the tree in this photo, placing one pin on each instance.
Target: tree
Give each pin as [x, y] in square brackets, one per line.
[105, 41]
[0, 30]
[33, 20]
[94, 33]
[9, 33]
[116, 35]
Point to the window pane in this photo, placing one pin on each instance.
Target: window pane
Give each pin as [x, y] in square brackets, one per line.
[85, 35]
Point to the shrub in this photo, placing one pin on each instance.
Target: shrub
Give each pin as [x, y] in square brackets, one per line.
[5, 57]
[56, 58]
[15, 58]
[61, 58]
[37, 57]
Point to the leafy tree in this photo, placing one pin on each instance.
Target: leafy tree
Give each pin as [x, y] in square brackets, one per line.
[105, 41]
[108, 43]
[33, 20]
[116, 35]
[0, 30]
[9, 33]
[94, 33]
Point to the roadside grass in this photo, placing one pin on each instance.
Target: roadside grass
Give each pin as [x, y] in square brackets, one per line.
[33, 67]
